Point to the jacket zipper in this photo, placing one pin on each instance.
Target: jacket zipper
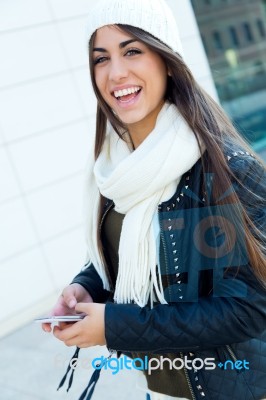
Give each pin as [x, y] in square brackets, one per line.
[100, 231]
[104, 215]
[164, 245]
[230, 351]
[188, 380]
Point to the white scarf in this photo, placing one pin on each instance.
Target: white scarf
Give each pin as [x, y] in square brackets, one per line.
[138, 182]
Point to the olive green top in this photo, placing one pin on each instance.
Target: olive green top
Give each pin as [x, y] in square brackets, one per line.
[171, 382]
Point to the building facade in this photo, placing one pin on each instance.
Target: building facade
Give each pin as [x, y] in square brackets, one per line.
[234, 37]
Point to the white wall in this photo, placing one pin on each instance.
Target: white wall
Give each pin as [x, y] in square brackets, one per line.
[47, 114]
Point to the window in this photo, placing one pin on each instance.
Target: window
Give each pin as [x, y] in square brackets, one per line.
[234, 37]
[237, 58]
[204, 44]
[247, 32]
[218, 44]
[261, 28]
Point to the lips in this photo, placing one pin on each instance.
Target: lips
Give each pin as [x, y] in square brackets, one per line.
[127, 98]
[128, 101]
[126, 93]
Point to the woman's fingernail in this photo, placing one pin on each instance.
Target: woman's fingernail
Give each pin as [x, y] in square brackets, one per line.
[72, 303]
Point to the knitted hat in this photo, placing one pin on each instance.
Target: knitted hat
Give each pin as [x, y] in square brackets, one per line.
[153, 16]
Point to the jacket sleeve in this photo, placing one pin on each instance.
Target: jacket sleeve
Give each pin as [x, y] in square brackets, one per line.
[212, 321]
[91, 281]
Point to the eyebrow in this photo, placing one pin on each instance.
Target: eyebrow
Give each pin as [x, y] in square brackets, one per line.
[121, 45]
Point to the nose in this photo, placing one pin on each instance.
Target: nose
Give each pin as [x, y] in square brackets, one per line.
[118, 69]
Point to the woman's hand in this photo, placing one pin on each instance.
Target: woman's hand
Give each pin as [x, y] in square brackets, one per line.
[86, 333]
[66, 303]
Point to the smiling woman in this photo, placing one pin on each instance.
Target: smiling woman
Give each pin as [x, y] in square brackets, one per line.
[175, 219]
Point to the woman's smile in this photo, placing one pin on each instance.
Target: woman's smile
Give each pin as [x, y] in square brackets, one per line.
[127, 96]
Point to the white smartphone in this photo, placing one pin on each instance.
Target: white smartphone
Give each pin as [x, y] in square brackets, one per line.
[60, 318]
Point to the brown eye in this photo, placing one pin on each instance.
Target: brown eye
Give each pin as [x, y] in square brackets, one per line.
[99, 60]
[132, 52]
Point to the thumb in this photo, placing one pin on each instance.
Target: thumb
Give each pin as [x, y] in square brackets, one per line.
[69, 296]
[70, 301]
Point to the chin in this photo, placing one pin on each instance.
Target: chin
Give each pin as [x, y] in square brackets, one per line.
[130, 119]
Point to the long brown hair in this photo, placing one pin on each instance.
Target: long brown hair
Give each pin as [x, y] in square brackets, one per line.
[210, 125]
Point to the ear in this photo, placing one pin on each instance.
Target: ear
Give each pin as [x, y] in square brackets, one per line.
[169, 73]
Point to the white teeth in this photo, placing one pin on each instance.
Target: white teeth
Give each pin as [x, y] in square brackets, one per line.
[125, 92]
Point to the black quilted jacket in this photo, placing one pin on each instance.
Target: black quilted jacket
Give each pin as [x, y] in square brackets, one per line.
[216, 308]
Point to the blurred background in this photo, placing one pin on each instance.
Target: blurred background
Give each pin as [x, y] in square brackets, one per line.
[47, 113]
[233, 33]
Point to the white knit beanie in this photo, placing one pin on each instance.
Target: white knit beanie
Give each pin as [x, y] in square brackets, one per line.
[153, 16]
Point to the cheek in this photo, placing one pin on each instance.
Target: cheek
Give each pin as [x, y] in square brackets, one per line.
[159, 85]
[157, 75]
[98, 83]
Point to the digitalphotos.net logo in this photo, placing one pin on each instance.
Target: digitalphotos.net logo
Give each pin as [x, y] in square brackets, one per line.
[123, 363]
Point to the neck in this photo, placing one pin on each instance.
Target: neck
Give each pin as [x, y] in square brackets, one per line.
[138, 136]
[140, 130]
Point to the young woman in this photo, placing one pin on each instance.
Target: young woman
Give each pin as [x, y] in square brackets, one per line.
[175, 221]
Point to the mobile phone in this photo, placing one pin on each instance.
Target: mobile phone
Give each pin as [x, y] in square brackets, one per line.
[60, 318]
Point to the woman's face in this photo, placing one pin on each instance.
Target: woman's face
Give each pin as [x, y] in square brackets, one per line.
[131, 78]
